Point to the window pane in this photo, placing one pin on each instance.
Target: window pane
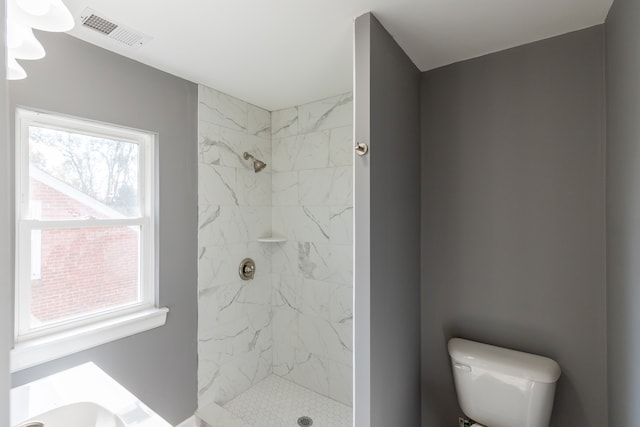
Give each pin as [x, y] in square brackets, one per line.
[83, 271]
[76, 176]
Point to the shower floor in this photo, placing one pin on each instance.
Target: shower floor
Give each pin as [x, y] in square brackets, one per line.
[276, 402]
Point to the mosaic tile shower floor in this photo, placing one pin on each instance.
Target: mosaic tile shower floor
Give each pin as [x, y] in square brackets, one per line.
[276, 402]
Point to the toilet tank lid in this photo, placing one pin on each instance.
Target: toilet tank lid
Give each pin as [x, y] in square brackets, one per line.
[503, 360]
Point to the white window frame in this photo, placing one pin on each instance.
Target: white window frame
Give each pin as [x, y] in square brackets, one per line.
[37, 345]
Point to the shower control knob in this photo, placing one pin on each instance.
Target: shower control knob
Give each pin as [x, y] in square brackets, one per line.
[361, 148]
[247, 269]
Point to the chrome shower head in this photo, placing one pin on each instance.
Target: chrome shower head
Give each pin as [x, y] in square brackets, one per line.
[258, 165]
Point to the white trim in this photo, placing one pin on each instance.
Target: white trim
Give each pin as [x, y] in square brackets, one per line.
[40, 350]
[85, 126]
[86, 319]
[147, 197]
[189, 422]
[83, 223]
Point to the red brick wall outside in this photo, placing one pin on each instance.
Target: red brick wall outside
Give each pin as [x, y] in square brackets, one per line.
[83, 269]
[57, 205]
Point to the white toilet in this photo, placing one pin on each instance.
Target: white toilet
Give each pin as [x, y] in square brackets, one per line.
[498, 387]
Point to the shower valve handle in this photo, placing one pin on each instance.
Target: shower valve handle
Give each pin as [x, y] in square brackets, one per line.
[247, 269]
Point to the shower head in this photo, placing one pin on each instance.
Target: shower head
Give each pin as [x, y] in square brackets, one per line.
[258, 165]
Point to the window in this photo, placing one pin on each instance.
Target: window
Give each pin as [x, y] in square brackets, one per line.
[84, 236]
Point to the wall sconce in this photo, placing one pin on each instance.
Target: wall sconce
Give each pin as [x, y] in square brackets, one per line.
[22, 17]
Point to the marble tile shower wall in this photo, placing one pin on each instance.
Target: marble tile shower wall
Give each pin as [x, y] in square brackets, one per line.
[295, 318]
[312, 272]
[234, 209]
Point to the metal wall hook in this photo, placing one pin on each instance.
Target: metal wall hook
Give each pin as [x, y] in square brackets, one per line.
[361, 148]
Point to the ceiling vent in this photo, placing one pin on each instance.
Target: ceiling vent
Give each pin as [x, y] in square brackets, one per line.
[114, 31]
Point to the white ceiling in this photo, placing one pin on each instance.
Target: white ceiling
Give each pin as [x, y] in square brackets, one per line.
[281, 53]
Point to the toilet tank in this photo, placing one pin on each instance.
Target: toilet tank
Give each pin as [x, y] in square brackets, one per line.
[498, 387]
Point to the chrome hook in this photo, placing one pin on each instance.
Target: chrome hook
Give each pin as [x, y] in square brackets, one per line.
[361, 148]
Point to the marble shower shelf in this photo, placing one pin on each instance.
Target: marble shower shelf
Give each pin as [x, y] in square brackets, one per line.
[272, 239]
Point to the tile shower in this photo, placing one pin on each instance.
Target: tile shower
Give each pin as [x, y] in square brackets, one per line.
[294, 320]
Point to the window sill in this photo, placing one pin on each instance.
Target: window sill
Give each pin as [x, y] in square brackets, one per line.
[40, 350]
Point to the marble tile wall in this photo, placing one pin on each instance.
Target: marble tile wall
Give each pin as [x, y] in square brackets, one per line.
[312, 272]
[295, 318]
[234, 208]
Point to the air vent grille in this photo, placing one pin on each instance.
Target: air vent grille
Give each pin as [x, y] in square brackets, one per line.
[111, 29]
[127, 37]
[99, 24]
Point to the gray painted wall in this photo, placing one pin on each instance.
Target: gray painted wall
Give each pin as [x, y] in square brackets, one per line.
[362, 225]
[393, 169]
[513, 217]
[79, 79]
[623, 211]
[6, 251]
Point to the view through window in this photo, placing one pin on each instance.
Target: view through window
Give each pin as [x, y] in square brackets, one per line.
[85, 223]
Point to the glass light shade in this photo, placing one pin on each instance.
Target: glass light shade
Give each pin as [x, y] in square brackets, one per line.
[56, 19]
[22, 43]
[34, 7]
[14, 70]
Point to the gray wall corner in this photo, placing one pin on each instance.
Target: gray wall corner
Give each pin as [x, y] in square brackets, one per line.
[622, 29]
[387, 99]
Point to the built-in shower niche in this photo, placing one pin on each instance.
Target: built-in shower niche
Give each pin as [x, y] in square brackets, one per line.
[294, 218]
[272, 238]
